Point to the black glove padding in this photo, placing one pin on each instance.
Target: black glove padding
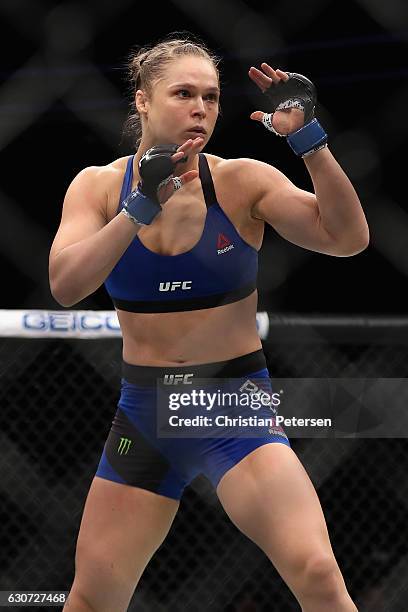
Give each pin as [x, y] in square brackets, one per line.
[155, 167]
[297, 88]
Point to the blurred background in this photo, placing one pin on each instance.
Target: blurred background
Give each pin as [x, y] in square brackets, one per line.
[63, 100]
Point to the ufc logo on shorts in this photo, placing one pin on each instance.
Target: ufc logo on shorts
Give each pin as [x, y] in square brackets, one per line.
[176, 379]
[173, 285]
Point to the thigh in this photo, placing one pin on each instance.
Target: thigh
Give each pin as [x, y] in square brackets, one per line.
[122, 526]
[270, 498]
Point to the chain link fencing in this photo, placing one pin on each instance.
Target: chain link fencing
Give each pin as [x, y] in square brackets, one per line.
[58, 398]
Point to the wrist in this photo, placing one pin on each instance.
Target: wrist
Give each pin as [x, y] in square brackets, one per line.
[140, 209]
[310, 138]
[135, 222]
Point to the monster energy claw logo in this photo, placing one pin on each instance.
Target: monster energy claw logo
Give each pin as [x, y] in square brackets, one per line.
[124, 446]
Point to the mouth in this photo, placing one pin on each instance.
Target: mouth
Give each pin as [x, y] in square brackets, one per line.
[199, 131]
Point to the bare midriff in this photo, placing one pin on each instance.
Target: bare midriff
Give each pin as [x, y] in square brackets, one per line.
[192, 337]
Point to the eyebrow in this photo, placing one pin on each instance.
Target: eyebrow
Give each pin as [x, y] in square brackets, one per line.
[211, 88]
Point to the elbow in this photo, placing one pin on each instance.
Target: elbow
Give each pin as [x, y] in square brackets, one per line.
[63, 302]
[362, 247]
[60, 286]
[362, 241]
[61, 299]
[60, 295]
[358, 245]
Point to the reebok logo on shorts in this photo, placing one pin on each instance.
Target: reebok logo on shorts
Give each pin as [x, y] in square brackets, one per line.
[223, 244]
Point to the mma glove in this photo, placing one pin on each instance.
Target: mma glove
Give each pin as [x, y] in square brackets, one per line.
[155, 169]
[297, 92]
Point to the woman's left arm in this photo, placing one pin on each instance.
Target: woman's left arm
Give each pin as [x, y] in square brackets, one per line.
[330, 220]
[340, 211]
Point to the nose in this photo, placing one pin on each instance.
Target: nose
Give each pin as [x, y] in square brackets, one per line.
[199, 107]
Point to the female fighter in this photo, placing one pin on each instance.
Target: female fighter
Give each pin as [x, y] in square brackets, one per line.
[174, 235]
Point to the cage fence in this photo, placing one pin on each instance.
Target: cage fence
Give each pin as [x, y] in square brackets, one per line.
[60, 375]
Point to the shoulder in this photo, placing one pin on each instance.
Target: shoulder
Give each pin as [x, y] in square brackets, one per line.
[242, 168]
[249, 177]
[102, 174]
[99, 184]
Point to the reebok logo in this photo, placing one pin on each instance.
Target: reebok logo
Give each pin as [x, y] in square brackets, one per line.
[223, 244]
[173, 285]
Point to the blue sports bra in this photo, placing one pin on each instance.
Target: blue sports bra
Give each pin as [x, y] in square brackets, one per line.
[220, 269]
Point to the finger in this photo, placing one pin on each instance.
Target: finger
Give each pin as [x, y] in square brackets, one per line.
[270, 72]
[197, 143]
[259, 78]
[190, 143]
[257, 115]
[186, 148]
[182, 150]
[187, 177]
[194, 143]
[283, 75]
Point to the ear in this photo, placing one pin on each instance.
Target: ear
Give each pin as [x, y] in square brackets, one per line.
[142, 102]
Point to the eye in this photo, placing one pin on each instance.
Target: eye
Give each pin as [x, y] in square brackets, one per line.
[212, 97]
[183, 93]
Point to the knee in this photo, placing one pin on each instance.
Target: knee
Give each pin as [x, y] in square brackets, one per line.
[78, 602]
[322, 577]
[100, 584]
[83, 598]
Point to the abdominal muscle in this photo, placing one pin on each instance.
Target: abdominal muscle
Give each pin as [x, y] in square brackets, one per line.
[192, 337]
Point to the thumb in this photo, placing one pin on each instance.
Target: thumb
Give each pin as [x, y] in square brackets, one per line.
[189, 176]
[174, 183]
[257, 116]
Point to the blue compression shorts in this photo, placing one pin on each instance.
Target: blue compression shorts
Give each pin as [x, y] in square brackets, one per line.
[136, 455]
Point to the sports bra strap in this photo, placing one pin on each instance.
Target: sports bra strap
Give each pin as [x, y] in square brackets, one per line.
[206, 180]
[127, 182]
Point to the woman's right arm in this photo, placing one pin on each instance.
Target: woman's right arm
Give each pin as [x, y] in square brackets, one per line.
[86, 247]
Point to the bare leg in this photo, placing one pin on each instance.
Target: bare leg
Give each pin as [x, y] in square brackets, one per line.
[121, 528]
[270, 498]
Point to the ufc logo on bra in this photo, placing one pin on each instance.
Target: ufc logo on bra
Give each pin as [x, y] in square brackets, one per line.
[173, 285]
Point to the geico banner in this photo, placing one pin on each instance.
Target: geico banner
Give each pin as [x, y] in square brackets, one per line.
[76, 324]
[59, 323]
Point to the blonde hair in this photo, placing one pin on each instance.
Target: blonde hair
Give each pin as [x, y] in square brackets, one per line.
[147, 65]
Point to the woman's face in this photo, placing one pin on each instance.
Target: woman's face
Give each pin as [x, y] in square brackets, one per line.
[183, 102]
